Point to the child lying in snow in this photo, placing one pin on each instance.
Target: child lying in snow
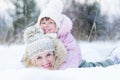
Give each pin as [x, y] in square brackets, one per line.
[52, 21]
[47, 51]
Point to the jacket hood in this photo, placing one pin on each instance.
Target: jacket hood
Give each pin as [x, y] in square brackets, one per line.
[53, 11]
[60, 54]
[66, 25]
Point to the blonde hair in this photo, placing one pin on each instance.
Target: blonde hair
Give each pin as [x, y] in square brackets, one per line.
[60, 51]
[60, 55]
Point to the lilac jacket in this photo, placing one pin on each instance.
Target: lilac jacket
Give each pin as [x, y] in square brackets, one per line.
[74, 57]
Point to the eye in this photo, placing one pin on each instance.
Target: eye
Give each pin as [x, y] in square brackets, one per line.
[51, 22]
[43, 23]
[49, 54]
[39, 57]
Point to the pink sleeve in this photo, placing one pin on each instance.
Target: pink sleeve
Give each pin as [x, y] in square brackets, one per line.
[73, 58]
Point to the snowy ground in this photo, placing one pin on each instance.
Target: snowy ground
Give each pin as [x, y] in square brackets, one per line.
[12, 69]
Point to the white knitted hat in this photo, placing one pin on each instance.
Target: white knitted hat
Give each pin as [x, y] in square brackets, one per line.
[52, 10]
[36, 42]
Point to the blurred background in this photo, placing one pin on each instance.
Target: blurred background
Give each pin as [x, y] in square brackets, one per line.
[93, 20]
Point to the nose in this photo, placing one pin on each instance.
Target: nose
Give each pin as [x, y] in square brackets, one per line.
[45, 61]
[47, 25]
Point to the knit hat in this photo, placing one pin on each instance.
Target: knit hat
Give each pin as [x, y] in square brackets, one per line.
[36, 42]
[53, 10]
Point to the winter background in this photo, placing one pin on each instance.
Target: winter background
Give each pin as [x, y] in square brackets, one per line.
[11, 67]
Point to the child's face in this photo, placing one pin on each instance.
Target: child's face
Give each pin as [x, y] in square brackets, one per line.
[45, 60]
[48, 26]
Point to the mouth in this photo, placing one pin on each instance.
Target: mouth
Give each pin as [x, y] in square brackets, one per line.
[47, 66]
[47, 30]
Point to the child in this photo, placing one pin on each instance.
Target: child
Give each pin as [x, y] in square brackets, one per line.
[46, 51]
[51, 20]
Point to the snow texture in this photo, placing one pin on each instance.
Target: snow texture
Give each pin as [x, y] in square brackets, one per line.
[12, 69]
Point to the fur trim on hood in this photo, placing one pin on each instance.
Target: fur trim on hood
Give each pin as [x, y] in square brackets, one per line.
[60, 54]
[60, 50]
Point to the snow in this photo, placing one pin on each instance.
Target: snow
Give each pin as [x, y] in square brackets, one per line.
[12, 69]
[97, 51]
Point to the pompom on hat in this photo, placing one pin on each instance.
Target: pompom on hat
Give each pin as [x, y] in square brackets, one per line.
[36, 42]
[53, 10]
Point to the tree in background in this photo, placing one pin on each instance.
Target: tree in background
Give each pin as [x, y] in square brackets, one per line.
[25, 16]
[6, 26]
[88, 23]
[83, 17]
[114, 30]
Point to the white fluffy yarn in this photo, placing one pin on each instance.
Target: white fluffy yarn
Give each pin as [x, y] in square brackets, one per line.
[57, 5]
[32, 33]
[53, 10]
[37, 42]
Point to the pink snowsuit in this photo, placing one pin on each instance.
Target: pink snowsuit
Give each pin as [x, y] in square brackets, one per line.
[74, 57]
